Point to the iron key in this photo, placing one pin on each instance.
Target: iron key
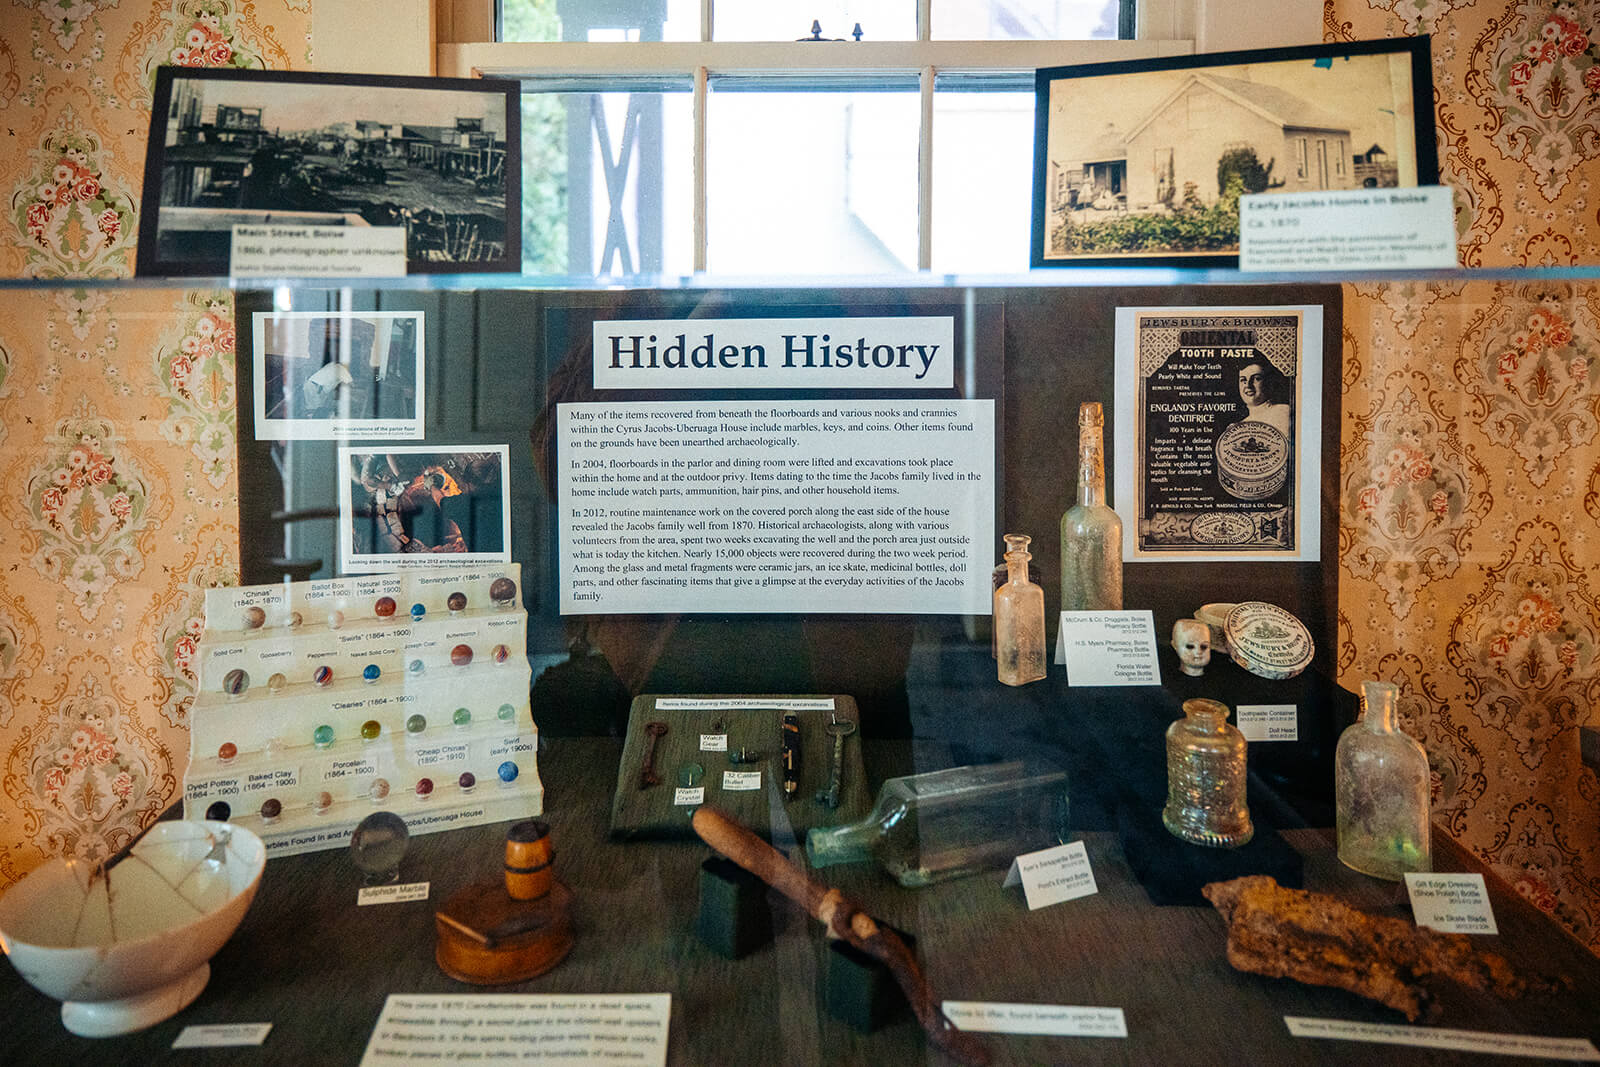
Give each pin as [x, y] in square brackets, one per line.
[838, 731]
[648, 776]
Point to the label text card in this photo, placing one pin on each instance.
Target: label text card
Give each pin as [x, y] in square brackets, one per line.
[1108, 647]
[1452, 903]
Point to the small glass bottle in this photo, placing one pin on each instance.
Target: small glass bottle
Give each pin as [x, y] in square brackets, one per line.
[1019, 618]
[1091, 532]
[925, 828]
[1206, 778]
[1381, 791]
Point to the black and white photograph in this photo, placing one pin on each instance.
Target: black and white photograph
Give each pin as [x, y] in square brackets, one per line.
[1220, 457]
[338, 375]
[410, 506]
[438, 157]
[1144, 162]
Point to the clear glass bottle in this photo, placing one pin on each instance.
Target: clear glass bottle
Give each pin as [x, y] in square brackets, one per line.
[1206, 773]
[1091, 533]
[926, 828]
[1381, 791]
[1019, 618]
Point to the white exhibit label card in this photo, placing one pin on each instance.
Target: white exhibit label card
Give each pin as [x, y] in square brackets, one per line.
[1268, 722]
[1053, 875]
[222, 1035]
[713, 742]
[521, 1028]
[741, 781]
[276, 251]
[745, 703]
[689, 796]
[1574, 1049]
[1108, 647]
[1050, 1020]
[838, 506]
[1451, 903]
[897, 352]
[392, 894]
[1349, 229]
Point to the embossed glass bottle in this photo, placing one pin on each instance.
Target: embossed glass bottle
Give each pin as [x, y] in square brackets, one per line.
[1381, 790]
[1091, 533]
[925, 828]
[1206, 778]
[1019, 618]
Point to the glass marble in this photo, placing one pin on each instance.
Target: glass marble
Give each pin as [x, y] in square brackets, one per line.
[461, 655]
[335, 619]
[219, 811]
[457, 601]
[293, 619]
[277, 682]
[424, 788]
[227, 751]
[323, 802]
[275, 746]
[418, 611]
[416, 666]
[384, 607]
[377, 845]
[322, 736]
[415, 724]
[254, 618]
[507, 771]
[271, 808]
[371, 673]
[502, 591]
[379, 790]
[506, 713]
[467, 781]
[235, 682]
[461, 717]
[371, 729]
[691, 775]
[501, 654]
[322, 675]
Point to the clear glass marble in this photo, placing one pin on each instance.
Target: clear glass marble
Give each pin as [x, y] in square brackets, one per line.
[377, 846]
[1091, 532]
[1206, 773]
[1019, 619]
[1381, 791]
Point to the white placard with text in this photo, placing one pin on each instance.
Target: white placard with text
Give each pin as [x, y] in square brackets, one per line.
[1108, 647]
[1053, 875]
[521, 1028]
[278, 251]
[1052, 1020]
[392, 894]
[1452, 903]
[222, 1035]
[1268, 722]
[1574, 1049]
[1349, 229]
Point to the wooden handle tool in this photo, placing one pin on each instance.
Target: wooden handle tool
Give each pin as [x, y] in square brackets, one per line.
[843, 919]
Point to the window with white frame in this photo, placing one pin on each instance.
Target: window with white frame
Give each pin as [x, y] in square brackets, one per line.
[670, 136]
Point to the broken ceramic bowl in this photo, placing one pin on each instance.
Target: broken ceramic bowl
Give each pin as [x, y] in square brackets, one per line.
[125, 948]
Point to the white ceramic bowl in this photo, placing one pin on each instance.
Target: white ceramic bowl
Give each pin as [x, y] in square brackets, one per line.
[125, 960]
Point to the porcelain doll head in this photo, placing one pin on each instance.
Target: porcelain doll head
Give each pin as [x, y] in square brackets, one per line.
[1191, 640]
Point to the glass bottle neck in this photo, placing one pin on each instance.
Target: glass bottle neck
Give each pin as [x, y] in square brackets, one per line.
[1379, 715]
[1091, 470]
[851, 843]
[1017, 567]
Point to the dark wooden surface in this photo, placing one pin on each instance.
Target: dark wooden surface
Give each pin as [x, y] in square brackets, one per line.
[318, 968]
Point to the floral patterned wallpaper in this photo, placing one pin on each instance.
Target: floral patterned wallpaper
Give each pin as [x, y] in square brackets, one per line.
[116, 423]
[1470, 461]
[1470, 527]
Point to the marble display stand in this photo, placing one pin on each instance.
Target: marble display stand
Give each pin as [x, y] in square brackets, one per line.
[342, 697]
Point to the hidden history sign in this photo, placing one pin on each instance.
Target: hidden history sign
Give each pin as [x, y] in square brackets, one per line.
[1218, 450]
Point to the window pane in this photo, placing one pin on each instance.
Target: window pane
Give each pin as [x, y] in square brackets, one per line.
[762, 20]
[607, 183]
[982, 179]
[585, 20]
[1014, 20]
[812, 182]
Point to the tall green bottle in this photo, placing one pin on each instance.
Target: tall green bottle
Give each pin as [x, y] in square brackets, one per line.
[1091, 533]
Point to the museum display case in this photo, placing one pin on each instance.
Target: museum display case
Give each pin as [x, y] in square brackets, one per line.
[755, 528]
